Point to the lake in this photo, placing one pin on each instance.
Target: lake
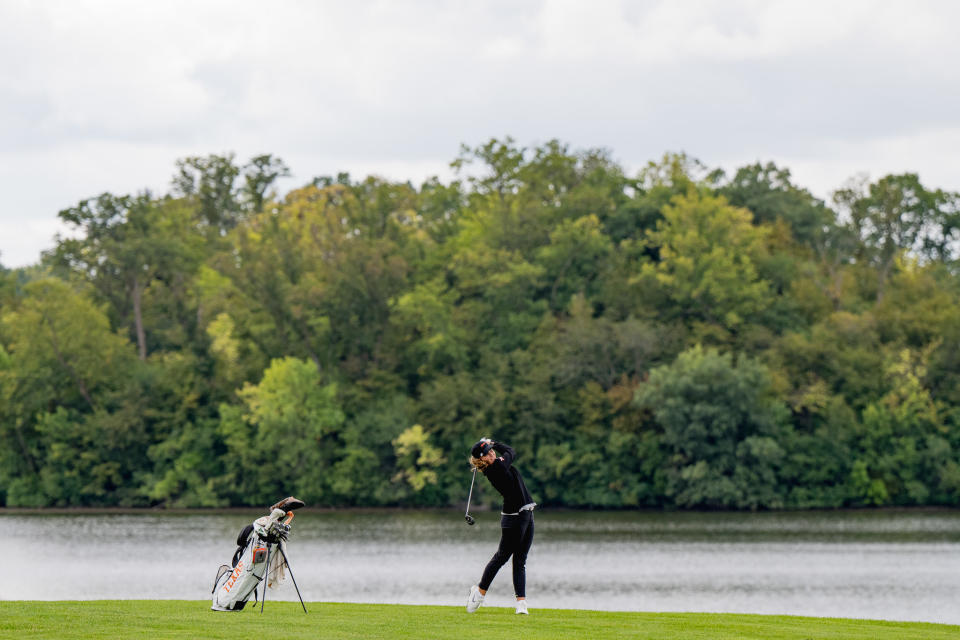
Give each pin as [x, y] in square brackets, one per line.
[894, 565]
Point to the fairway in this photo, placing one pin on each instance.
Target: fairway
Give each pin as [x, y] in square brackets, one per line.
[193, 619]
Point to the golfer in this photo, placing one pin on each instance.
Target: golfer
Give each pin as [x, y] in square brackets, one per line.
[516, 520]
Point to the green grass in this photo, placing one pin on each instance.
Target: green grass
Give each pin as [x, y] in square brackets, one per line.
[286, 621]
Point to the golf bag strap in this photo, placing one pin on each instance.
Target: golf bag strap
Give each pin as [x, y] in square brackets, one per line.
[241, 543]
[244, 534]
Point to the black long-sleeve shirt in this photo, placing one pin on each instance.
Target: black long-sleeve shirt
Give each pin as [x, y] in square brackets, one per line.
[506, 479]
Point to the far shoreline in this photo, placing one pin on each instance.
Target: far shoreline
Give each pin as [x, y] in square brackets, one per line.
[239, 510]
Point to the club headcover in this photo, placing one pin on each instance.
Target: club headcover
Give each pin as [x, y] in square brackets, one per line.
[288, 504]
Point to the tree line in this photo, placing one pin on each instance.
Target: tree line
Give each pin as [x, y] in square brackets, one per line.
[675, 338]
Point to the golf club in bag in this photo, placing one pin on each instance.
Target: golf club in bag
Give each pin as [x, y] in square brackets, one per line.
[260, 557]
[466, 515]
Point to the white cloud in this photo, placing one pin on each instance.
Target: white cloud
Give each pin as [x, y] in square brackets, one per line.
[931, 154]
[98, 96]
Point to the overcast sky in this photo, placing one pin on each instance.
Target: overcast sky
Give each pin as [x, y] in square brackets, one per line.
[105, 96]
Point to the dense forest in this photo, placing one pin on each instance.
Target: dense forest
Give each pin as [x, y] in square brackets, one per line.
[679, 338]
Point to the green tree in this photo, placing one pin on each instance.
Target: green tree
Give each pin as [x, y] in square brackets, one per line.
[575, 259]
[723, 427]
[282, 438]
[842, 354]
[836, 246]
[707, 261]
[187, 461]
[209, 183]
[436, 342]
[7, 288]
[68, 385]
[585, 348]
[904, 454]
[542, 297]
[768, 192]
[127, 244]
[368, 461]
[417, 458]
[918, 307]
[259, 175]
[316, 278]
[526, 192]
[897, 214]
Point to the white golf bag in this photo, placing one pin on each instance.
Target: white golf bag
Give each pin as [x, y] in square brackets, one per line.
[265, 538]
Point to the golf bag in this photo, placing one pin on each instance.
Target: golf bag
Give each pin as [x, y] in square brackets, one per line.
[261, 543]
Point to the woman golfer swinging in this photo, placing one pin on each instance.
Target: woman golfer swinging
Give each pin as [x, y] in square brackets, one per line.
[516, 520]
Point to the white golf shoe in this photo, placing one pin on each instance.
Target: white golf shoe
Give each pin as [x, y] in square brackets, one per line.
[475, 599]
[522, 607]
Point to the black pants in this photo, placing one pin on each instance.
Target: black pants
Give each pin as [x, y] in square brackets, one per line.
[516, 536]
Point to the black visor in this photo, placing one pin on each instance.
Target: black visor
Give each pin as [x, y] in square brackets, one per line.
[481, 448]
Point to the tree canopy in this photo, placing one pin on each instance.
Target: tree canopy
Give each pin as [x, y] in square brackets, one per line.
[675, 338]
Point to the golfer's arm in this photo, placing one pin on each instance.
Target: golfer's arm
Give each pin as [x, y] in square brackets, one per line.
[506, 452]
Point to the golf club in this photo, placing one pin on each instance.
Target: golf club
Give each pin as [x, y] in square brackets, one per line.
[466, 515]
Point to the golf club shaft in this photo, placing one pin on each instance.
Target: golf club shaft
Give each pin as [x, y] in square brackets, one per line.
[470, 497]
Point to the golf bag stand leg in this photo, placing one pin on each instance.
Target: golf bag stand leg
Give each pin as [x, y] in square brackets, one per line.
[266, 579]
[290, 569]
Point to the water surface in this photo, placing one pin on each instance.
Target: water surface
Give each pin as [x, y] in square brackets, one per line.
[895, 565]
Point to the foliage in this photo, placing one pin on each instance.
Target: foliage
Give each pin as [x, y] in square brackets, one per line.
[416, 458]
[283, 434]
[707, 261]
[723, 429]
[672, 338]
[70, 416]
